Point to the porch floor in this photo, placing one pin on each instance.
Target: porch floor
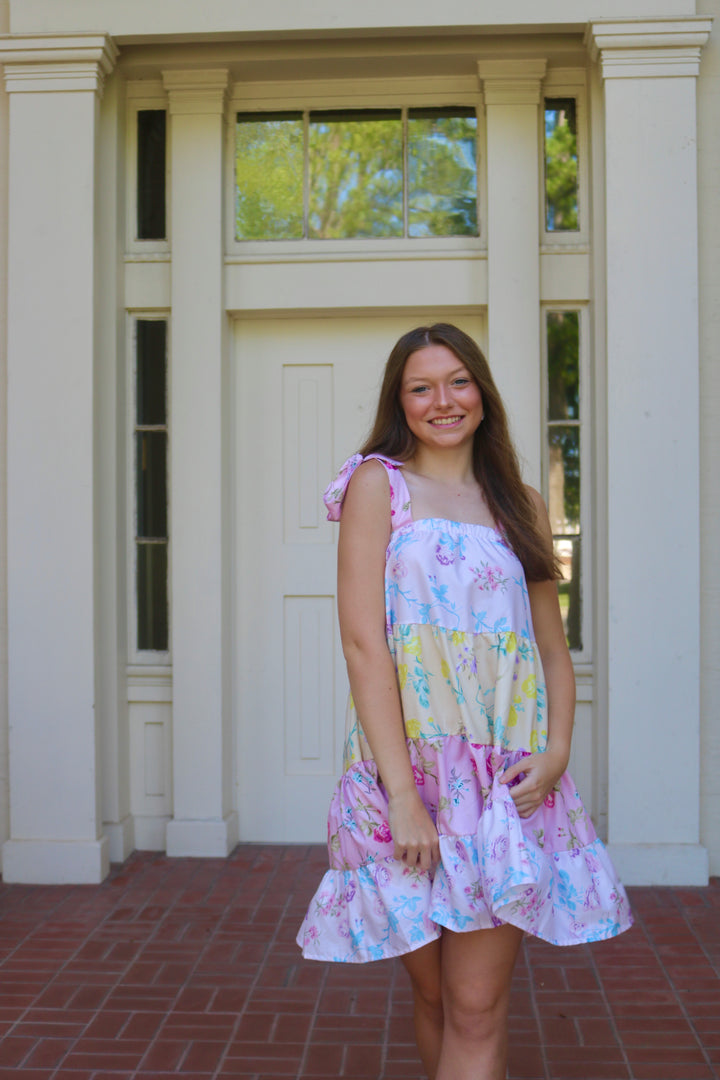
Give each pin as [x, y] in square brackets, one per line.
[188, 968]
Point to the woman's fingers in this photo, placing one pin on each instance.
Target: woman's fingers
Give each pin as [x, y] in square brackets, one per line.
[415, 838]
[541, 773]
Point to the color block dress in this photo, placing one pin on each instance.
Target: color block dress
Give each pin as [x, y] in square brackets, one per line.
[471, 683]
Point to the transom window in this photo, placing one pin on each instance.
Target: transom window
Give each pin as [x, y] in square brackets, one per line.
[356, 173]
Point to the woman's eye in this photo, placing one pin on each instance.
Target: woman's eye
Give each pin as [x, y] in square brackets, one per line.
[418, 389]
[462, 382]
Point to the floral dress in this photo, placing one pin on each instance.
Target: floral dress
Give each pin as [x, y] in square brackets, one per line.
[471, 683]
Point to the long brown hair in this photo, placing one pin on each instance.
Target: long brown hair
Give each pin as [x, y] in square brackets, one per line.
[495, 462]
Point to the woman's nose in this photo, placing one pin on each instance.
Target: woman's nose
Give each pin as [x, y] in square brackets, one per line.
[442, 396]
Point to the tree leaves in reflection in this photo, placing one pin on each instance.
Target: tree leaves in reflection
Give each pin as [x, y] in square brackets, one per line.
[442, 173]
[561, 166]
[269, 171]
[356, 176]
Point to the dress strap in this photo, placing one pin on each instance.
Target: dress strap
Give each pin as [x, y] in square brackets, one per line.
[399, 495]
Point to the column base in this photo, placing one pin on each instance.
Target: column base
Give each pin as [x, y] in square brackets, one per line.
[56, 862]
[660, 864]
[207, 839]
[121, 838]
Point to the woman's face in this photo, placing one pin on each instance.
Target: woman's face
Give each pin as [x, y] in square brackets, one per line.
[442, 402]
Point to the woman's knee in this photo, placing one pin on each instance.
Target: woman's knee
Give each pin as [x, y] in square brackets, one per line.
[475, 1008]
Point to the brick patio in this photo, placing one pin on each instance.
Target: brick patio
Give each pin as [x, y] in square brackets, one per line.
[189, 967]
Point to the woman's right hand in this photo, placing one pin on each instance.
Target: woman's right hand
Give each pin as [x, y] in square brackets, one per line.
[415, 837]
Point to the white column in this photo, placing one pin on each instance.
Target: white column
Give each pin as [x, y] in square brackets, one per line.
[649, 68]
[203, 822]
[512, 96]
[54, 84]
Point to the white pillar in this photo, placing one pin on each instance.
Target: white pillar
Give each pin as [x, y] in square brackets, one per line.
[203, 820]
[512, 96]
[54, 83]
[649, 68]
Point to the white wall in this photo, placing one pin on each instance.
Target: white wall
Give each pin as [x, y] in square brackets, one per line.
[709, 258]
[137, 18]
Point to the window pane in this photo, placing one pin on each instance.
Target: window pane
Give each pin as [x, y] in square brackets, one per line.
[564, 478]
[563, 351]
[561, 165]
[356, 174]
[151, 174]
[151, 356]
[269, 176]
[442, 172]
[152, 597]
[568, 552]
[151, 448]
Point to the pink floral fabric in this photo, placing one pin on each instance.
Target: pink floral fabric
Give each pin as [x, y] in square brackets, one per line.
[470, 678]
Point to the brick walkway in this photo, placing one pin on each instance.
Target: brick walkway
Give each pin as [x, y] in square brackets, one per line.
[189, 967]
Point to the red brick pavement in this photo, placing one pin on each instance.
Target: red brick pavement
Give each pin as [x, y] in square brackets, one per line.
[188, 968]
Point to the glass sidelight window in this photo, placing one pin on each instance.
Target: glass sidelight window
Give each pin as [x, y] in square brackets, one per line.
[151, 173]
[151, 484]
[561, 165]
[356, 173]
[564, 461]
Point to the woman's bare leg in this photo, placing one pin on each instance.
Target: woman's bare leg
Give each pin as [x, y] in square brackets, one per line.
[423, 967]
[476, 971]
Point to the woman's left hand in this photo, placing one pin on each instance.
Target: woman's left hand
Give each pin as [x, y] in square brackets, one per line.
[542, 772]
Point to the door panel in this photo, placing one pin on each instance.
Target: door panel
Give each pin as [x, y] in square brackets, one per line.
[305, 391]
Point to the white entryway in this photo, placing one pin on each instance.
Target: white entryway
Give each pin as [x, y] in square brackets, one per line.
[305, 390]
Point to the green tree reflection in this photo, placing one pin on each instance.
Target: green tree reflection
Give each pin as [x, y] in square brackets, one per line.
[268, 173]
[561, 166]
[442, 173]
[356, 176]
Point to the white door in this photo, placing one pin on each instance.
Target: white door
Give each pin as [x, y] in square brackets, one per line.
[305, 390]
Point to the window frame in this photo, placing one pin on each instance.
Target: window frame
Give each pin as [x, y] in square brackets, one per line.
[364, 94]
[137, 656]
[585, 426]
[569, 83]
[139, 97]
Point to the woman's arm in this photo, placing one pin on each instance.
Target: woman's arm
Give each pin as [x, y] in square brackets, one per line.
[542, 771]
[364, 536]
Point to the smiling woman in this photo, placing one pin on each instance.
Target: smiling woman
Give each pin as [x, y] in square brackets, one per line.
[455, 818]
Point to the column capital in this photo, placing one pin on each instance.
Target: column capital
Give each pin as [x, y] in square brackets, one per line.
[42, 63]
[648, 48]
[196, 91]
[511, 82]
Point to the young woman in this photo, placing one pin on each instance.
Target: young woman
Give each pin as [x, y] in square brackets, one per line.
[455, 827]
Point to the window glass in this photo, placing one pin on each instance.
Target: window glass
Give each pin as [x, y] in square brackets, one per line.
[442, 172]
[340, 174]
[563, 355]
[151, 335]
[151, 490]
[561, 165]
[151, 139]
[564, 461]
[356, 174]
[152, 605]
[564, 478]
[151, 447]
[269, 176]
[569, 590]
